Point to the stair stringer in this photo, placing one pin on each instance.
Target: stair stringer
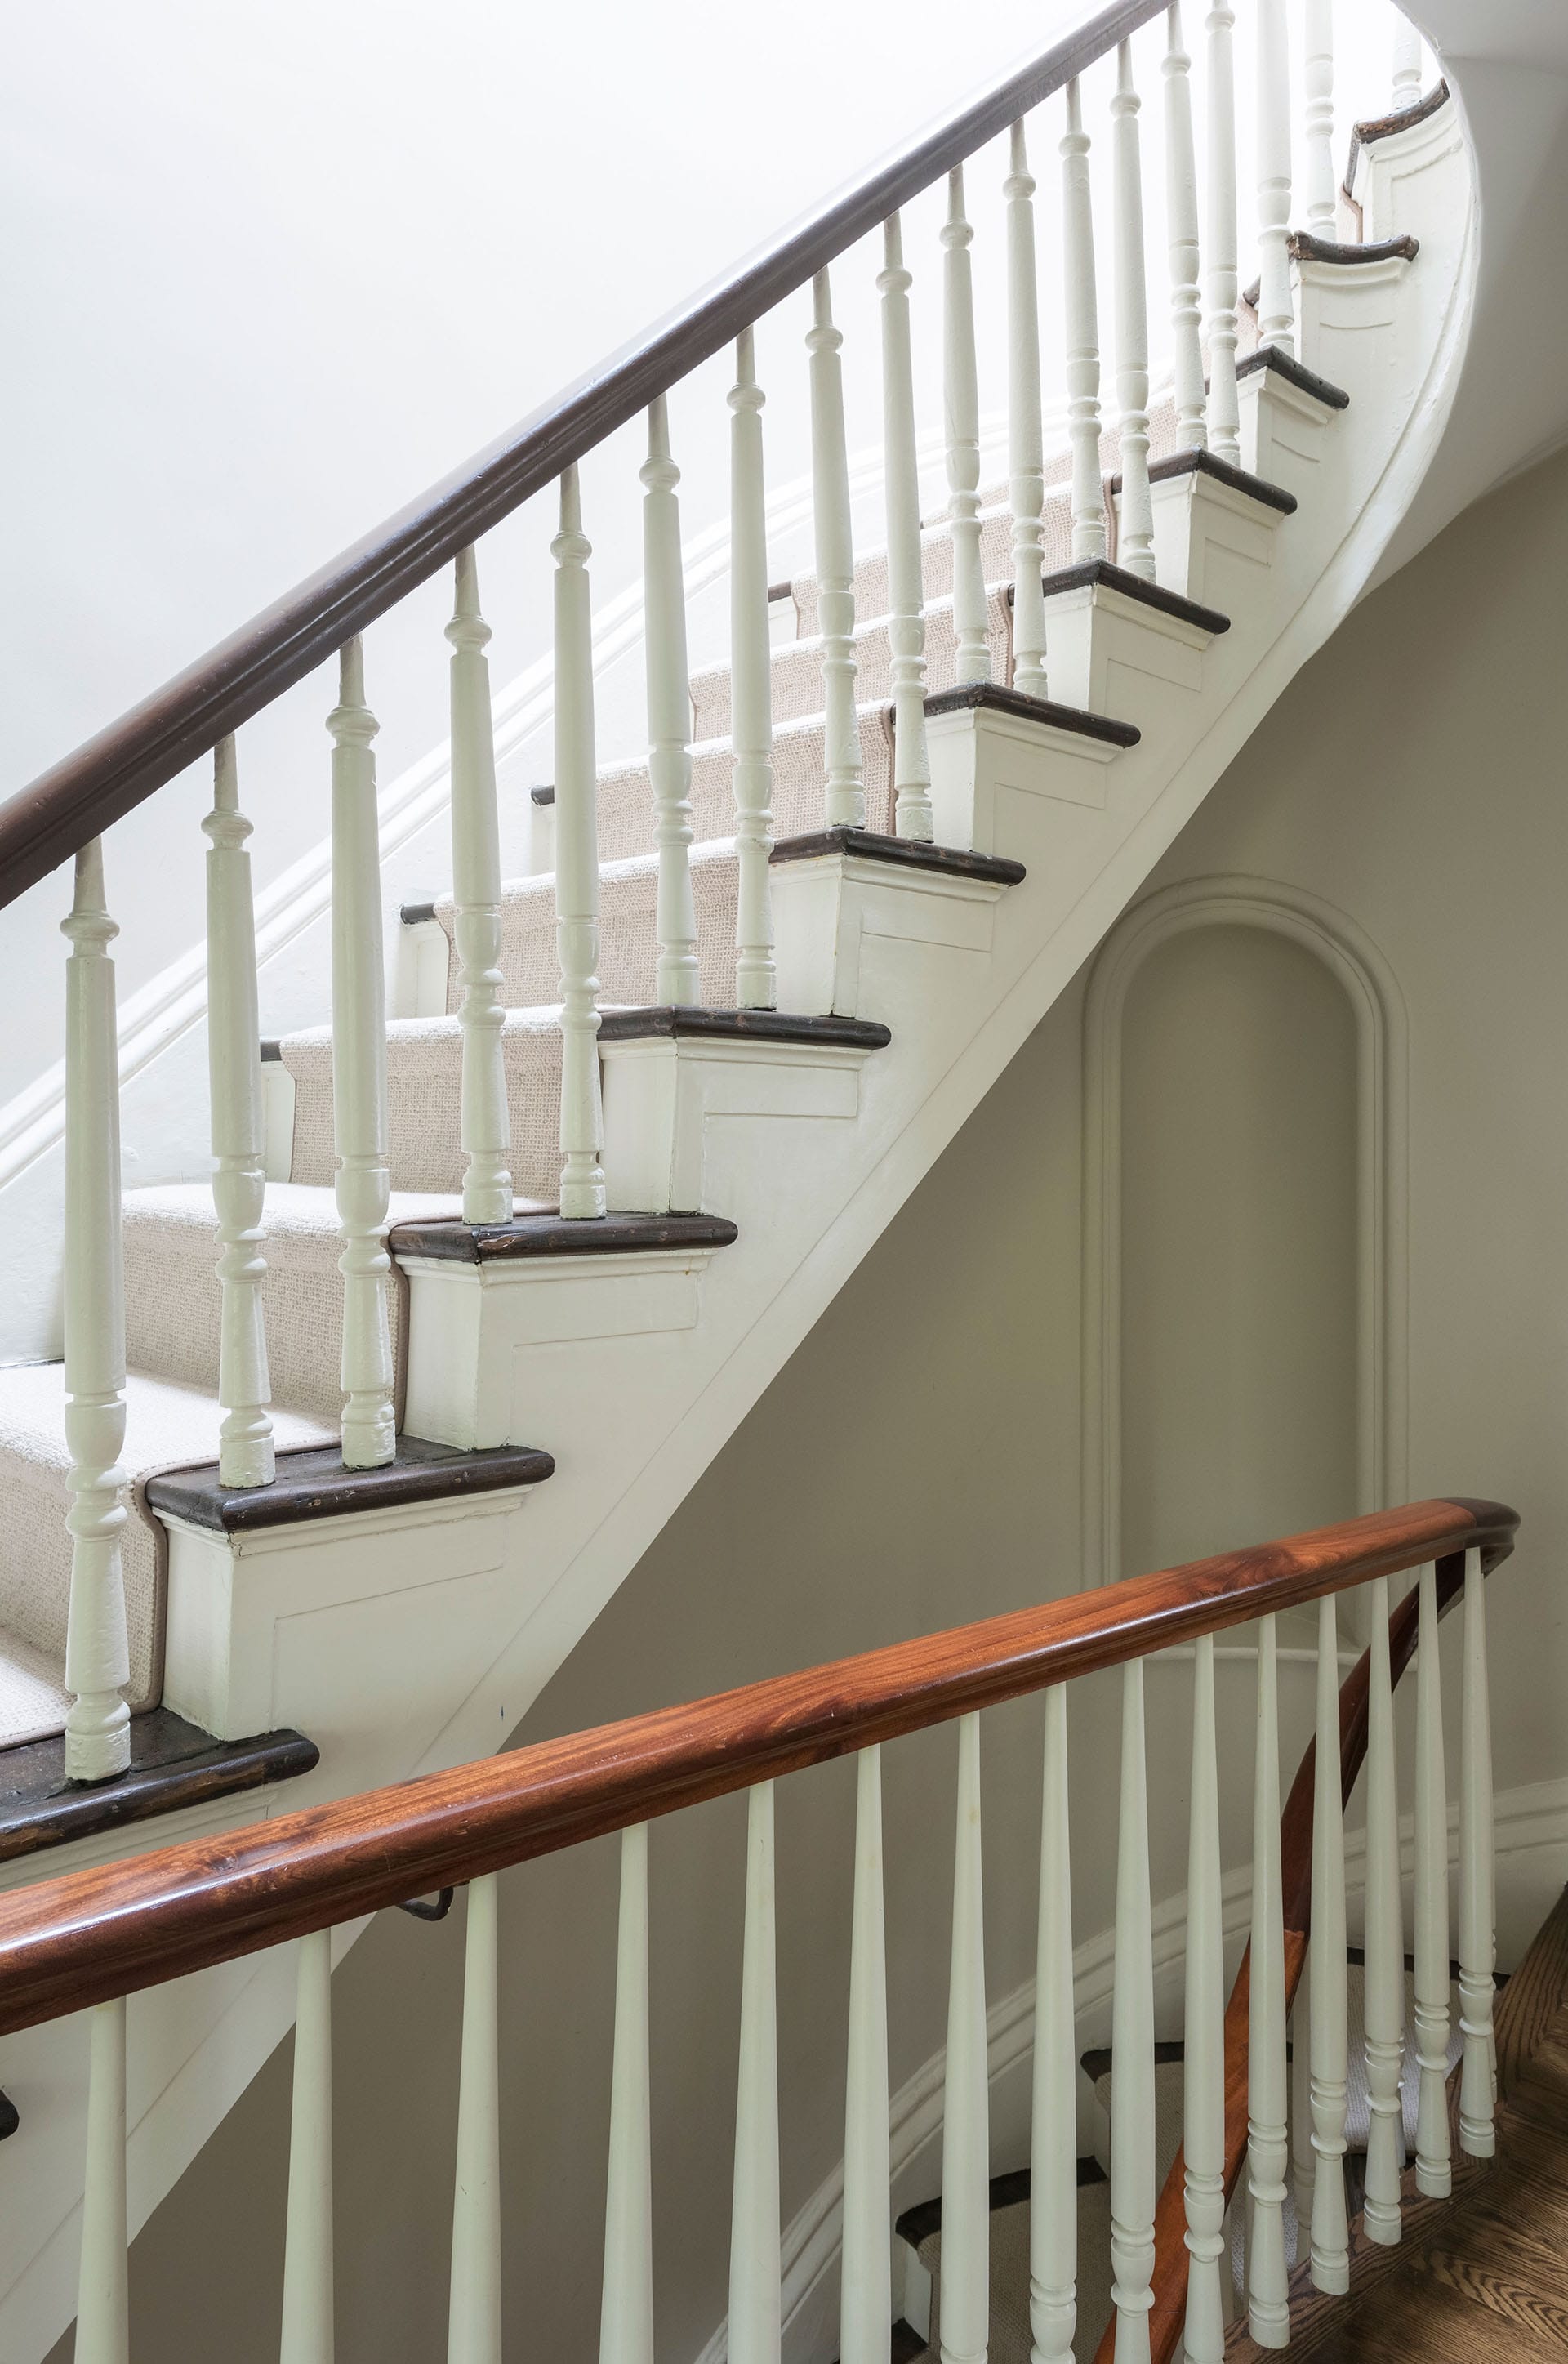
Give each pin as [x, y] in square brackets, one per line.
[657, 1424]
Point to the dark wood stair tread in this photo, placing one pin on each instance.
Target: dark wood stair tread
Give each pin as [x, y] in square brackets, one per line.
[1104, 572]
[1306, 247]
[1385, 126]
[992, 697]
[1296, 373]
[313, 1484]
[1205, 463]
[172, 1764]
[557, 1235]
[900, 852]
[673, 1019]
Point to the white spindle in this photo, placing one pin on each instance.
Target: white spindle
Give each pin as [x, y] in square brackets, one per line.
[97, 1661]
[1330, 2232]
[1303, 2159]
[1180, 204]
[626, 2312]
[966, 2148]
[476, 893]
[754, 2215]
[358, 1072]
[103, 2308]
[845, 797]
[751, 688]
[1384, 1941]
[906, 618]
[576, 865]
[1203, 2082]
[866, 2289]
[307, 2241]
[240, 1176]
[668, 710]
[1224, 421]
[1025, 433]
[1132, 2045]
[1053, 2167]
[1476, 1934]
[961, 402]
[1406, 66]
[1276, 315]
[1268, 2304]
[473, 2318]
[1082, 326]
[1135, 540]
[1433, 2169]
[1319, 126]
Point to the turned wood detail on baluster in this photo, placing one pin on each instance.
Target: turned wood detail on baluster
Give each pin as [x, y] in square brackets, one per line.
[754, 2323]
[1080, 320]
[1268, 2304]
[245, 1455]
[1330, 2004]
[577, 866]
[965, 2319]
[845, 797]
[103, 2299]
[1203, 2079]
[1132, 2043]
[1477, 1914]
[1025, 448]
[669, 712]
[625, 2307]
[751, 688]
[906, 606]
[1222, 277]
[961, 404]
[473, 2318]
[1433, 2161]
[1317, 81]
[1135, 538]
[486, 1133]
[1276, 312]
[307, 2329]
[1405, 66]
[1053, 2165]
[865, 2308]
[1384, 2007]
[1181, 206]
[97, 1659]
[359, 1074]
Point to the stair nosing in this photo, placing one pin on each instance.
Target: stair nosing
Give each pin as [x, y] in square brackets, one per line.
[1206, 463]
[451, 1241]
[1306, 246]
[40, 1809]
[670, 1020]
[1089, 572]
[312, 1483]
[1385, 127]
[1305, 380]
[996, 696]
[909, 852]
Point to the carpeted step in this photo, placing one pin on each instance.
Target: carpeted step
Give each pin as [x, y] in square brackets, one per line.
[1010, 2335]
[797, 666]
[626, 798]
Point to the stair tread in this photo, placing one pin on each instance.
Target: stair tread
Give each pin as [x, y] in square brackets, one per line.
[173, 1764]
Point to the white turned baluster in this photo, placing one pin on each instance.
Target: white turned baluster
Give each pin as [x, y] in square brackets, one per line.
[474, 2316]
[308, 2251]
[576, 865]
[1276, 315]
[907, 617]
[669, 712]
[1384, 1985]
[1303, 2159]
[1053, 2166]
[1181, 204]
[1330, 2042]
[1132, 2045]
[961, 403]
[1203, 2079]
[866, 2289]
[1080, 308]
[1476, 2132]
[1224, 416]
[966, 2144]
[1319, 85]
[97, 1661]
[240, 1176]
[751, 688]
[1135, 540]
[1433, 2169]
[754, 2214]
[626, 2311]
[358, 1073]
[846, 796]
[1268, 2305]
[1406, 66]
[486, 1131]
[103, 2307]
[1026, 487]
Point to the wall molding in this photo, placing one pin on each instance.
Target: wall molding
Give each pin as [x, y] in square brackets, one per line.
[1381, 1193]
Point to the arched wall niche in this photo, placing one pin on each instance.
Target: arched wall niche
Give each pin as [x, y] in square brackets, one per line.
[1380, 1218]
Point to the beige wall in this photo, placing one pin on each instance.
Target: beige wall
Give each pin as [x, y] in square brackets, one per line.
[919, 1461]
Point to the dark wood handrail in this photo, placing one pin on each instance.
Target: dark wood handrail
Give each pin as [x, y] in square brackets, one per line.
[88, 1936]
[124, 763]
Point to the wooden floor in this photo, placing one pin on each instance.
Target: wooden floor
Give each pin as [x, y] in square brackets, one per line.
[1485, 2274]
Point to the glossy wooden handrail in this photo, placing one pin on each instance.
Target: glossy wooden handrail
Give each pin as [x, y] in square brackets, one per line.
[78, 1939]
[114, 771]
